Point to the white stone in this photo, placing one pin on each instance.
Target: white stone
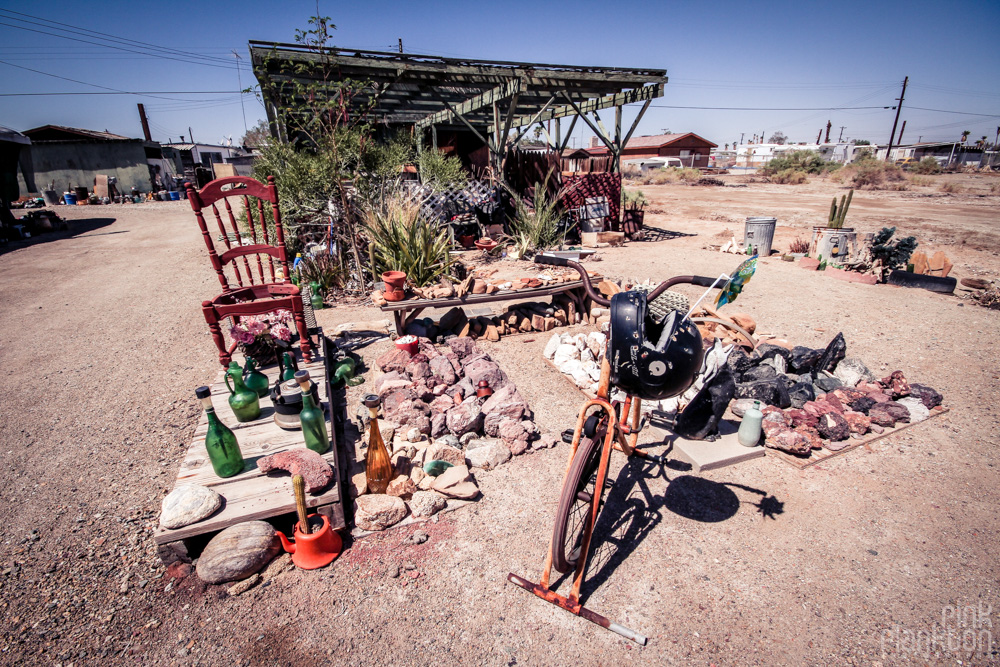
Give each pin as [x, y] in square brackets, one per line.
[426, 503]
[238, 552]
[414, 435]
[564, 353]
[378, 511]
[586, 356]
[488, 456]
[918, 411]
[581, 378]
[594, 371]
[571, 366]
[552, 346]
[580, 341]
[188, 504]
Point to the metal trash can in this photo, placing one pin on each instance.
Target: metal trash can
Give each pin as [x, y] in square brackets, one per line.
[759, 232]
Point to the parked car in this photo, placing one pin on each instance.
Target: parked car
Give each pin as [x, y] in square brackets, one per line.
[906, 162]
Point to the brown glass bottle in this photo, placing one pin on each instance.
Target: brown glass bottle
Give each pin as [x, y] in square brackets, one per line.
[378, 466]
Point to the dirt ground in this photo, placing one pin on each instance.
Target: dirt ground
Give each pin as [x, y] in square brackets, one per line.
[862, 560]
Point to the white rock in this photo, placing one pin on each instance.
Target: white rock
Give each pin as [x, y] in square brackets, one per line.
[594, 371]
[564, 353]
[581, 378]
[426, 503]
[188, 504]
[580, 341]
[487, 457]
[566, 338]
[586, 356]
[918, 412]
[552, 346]
[571, 366]
[378, 511]
[414, 435]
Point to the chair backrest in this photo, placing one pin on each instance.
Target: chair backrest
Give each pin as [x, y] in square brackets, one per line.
[248, 230]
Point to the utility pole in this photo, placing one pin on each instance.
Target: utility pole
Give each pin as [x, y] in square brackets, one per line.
[841, 138]
[899, 108]
[400, 44]
[818, 135]
[828, 126]
[239, 80]
[190, 134]
[741, 136]
[899, 140]
[145, 122]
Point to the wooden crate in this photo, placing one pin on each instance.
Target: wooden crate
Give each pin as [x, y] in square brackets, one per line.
[251, 494]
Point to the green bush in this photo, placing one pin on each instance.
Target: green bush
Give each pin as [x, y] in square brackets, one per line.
[790, 177]
[869, 173]
[403, 239]
[809, 162]
[535, 225]
[927, 166]
[322, 269]
[892, 254]
[441, 171]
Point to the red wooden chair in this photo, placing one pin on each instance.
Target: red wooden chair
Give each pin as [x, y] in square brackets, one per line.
[266, 292]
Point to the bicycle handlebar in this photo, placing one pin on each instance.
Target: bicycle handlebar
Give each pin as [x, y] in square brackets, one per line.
[700, 281]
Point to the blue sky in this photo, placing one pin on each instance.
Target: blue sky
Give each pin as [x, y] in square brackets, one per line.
[780, 55]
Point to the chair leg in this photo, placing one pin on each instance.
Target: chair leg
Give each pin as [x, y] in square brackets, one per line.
[213, 326]
[305, 343]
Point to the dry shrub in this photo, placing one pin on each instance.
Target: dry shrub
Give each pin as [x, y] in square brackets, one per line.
[872, 174]
[922, 181]
[951, 188]
[790, 177]
[799, 245]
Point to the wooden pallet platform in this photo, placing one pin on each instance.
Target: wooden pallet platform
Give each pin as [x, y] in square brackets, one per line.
[252, 495]
[821, 455]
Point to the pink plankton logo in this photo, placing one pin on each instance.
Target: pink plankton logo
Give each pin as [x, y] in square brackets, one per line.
[962, 631]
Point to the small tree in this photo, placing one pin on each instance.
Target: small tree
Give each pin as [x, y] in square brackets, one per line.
[862, 142]
[965, 135]
[257, 136]
[778, 138]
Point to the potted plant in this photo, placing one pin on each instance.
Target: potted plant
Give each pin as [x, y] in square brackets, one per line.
[834, 241]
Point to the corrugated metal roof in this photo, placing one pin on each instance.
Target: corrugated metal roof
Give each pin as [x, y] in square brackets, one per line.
[655, 141]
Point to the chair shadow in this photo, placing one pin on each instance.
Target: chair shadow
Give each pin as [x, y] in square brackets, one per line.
[74, 228]
[651, 233]
[627, 517]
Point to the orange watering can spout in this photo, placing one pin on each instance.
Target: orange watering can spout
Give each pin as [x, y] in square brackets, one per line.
[288, 545]
[314, 550]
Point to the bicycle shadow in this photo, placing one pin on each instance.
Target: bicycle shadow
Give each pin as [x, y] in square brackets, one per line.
[631, 511]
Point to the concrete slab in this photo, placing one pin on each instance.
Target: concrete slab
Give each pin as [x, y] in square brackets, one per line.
[720, 453]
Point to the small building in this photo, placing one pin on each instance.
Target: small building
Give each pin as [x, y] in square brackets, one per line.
[70, 156]
[692, 150]
[953, 153]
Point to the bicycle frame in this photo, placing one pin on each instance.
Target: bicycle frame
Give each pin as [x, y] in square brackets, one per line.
[615, 434]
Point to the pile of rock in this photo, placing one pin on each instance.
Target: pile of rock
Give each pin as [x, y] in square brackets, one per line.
[819, 398]
[439, 431]
[578, 356]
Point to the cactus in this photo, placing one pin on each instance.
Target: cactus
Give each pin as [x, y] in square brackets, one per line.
[839, 213]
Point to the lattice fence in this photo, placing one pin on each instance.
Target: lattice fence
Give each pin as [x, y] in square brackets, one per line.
[442, 205]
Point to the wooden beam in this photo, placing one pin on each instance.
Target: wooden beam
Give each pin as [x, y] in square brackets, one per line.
[635, 123]
[506, 125]
[465, 122]
[565, 143]
[534, 119]
[595, 104]
[581, 114]
[503, 91]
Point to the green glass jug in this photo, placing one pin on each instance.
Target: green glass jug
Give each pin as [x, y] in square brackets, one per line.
[315, 298]
[220, 441]
[254, 379]
[289, 366]
[312, 418]
[243, 401]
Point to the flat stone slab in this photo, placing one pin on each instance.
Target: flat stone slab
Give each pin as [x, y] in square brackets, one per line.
[720, 453]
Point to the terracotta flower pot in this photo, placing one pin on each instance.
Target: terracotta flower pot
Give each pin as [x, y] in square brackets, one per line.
[467, 241]
[394, 295]
[486, 244]
[394, 280]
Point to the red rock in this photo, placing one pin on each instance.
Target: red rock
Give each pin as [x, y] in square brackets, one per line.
[393, 360]
[442, 368]
[879, 397]
[772, 428]
[463, 347]
[506, 401]
[314, 469]
[466, 417]
[798, 417]
[395, 399]
[179, 570]
[881, 417]
[441, 404]
[868, 387]
[815, 442]
[834, 402]
[858, 422]
[808, 263]
[745, 321]
[896, 385]
[790, 441]
[846, 395]
[818, 408]
[898, 411]
[779, 414]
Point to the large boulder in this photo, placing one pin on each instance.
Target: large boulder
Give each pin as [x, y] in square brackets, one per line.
[393, 360]
[442, 369]
[482, 369]
[315, 471]
[238, 552]
[378, 511]
[462, 347]
[187, 504]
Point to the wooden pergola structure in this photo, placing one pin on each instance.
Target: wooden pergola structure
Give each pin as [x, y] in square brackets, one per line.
[497, 101]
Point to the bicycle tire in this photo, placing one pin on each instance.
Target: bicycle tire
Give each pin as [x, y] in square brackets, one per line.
[576, 502]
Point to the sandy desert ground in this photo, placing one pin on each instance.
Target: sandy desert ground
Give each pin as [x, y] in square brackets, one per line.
[103, 343]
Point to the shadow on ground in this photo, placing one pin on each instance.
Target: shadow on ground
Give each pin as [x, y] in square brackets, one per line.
[75, 228]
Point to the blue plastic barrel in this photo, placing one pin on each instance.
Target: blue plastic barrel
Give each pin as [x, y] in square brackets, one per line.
[175, 196]
[69, 198]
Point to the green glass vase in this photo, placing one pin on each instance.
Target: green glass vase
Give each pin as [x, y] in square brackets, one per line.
[288, 366]
[312, 418]
[220, 441]
[254, 379]
[243, 401]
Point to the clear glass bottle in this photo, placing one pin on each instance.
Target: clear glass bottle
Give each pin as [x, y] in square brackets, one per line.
[223, 449]
[378, 465]
[312, 418]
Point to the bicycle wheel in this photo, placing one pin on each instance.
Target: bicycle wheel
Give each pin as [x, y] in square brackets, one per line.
[576, 503]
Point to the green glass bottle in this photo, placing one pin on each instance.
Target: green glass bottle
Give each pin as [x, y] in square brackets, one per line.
[312, 417]
[289, 366]
[315, 298]
[220, 441]
[243, 401]
[254, 379]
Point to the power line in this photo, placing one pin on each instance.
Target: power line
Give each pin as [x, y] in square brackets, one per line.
[668, 106]
[964, 113]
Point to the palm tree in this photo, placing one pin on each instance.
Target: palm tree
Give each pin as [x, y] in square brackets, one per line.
[965, 135]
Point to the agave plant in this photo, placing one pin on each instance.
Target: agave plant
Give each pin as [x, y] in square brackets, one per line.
[535, 225]
[404, 239]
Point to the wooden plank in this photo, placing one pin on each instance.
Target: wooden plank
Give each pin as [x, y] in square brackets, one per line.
[594, 104]
[819, 456]
[503, 91]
